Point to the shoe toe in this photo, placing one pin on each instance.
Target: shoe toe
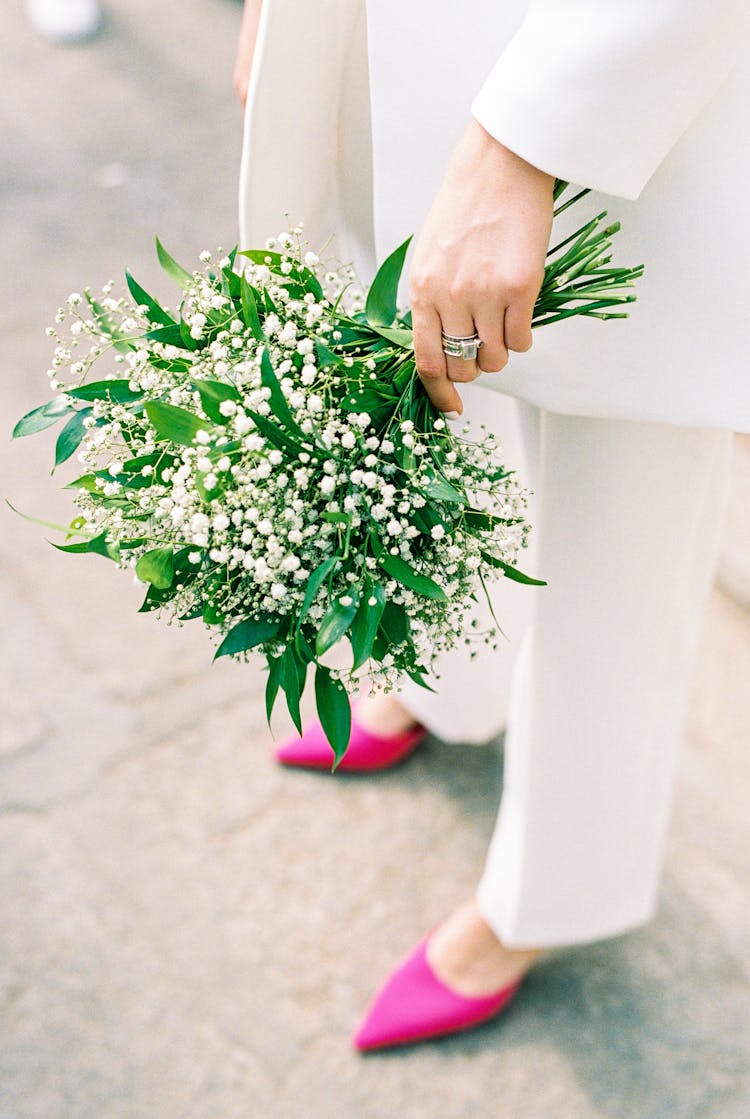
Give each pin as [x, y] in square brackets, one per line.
[311, 750]
[414, 1005]
[366, 752]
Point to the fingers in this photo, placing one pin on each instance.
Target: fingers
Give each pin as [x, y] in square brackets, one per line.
[493, 353]
[502, 320]
[518, 316]
[461, 325]
[430, 359]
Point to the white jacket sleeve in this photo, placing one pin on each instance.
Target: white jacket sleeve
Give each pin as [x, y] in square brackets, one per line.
[598, 91]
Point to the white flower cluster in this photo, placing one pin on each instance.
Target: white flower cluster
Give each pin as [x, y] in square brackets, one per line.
[292, 460]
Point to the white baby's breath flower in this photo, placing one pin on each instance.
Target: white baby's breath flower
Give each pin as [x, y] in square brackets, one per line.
[274, 519]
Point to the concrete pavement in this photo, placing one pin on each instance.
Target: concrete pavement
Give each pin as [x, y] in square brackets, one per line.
[185, 931]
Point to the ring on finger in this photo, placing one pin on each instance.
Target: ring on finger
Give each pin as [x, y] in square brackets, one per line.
[465, 348]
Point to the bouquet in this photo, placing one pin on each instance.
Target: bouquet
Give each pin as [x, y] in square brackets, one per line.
[264, 458]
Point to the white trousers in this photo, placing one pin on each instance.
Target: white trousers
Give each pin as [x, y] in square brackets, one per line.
[592, 684]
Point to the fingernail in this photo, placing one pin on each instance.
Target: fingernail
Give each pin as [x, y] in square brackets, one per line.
[452, 415]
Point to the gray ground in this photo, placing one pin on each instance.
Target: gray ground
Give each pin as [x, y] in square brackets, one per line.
[186, 931]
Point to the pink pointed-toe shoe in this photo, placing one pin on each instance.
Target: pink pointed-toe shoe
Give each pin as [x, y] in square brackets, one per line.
[414, 1005]
[367, 752]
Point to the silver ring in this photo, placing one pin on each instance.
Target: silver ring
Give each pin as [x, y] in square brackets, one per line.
[465, 348]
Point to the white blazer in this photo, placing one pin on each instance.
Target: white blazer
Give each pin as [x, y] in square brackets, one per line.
[354, 108]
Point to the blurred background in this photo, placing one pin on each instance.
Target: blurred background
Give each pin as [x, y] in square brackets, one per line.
[185, 931]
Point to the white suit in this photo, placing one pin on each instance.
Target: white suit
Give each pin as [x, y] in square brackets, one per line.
[624, 426]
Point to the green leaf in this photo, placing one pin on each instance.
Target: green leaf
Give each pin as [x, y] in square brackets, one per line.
[511, 572]
[175, 423]
[405, 573]
[264, 256]
[336, 518]
[274, 434]
[370, 399]
[250, 309]
[366, 621]
[117, 390]
[98, 545]
[171, 364]
[272, 684]
[417, 675]
[335, 623]
[478, 518]
[174, 270]
[314, 583]
[168, 336]
[69, 439]
[108, 326]
[395, 623]
[155, 459]
[134, 542]
[406, 458]
[326, 358]
[155, 599]
[290, 682]
[154, 310]
[191, 615]
[278, 401]
[439, 489]
[212, 616]
[212, 394]
[334, 711]
[230, 279]
[247, 635]
[399, 335]
[44, 416]
[381, 304]
[188, 342]
[157, 567]
[84, 482]
[300, 272]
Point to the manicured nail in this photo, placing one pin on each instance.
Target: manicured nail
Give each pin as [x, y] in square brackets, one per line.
[452, 415]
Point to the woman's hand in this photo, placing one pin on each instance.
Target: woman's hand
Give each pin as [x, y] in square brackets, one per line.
[246, 48]
[479, 262]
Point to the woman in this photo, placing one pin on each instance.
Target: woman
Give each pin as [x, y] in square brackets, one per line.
[375, 119]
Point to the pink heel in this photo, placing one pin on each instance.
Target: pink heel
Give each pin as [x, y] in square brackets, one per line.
[414, 1005]
[367, 751]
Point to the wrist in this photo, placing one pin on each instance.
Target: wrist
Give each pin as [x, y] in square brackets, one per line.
[488, 150]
